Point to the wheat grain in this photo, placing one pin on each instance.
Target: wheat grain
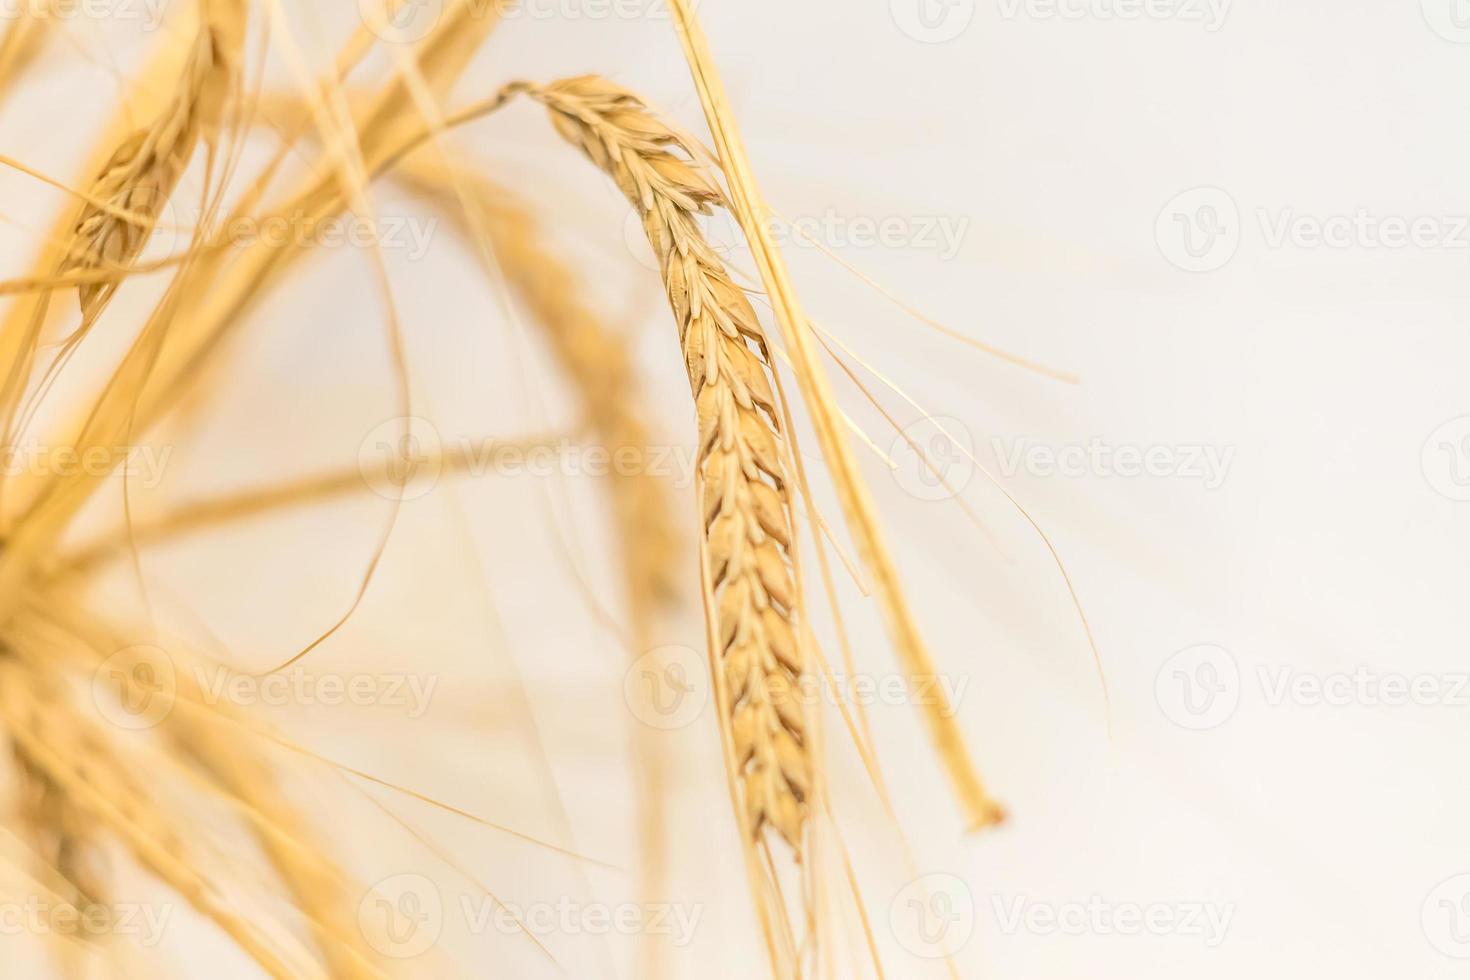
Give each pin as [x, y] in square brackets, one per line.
[746, 513]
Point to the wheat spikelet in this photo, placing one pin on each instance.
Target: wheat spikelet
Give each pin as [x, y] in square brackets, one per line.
[745, 494]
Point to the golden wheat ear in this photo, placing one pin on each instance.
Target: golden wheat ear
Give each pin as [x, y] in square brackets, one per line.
[129, 194]
[745, 515]
[587, 349]
[750, 209]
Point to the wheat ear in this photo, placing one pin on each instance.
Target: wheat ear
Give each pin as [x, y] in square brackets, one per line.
[750, 210]
[586, 348]
[128, 195]
[208, 300]
[746, 512]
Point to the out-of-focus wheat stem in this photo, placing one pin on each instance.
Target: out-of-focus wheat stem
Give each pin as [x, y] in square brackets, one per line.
[22, 42]
[597, 359]
[315, 884]
[235, 506]
[57, 741]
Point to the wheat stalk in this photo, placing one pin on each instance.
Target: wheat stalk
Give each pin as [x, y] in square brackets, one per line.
[746, 519]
